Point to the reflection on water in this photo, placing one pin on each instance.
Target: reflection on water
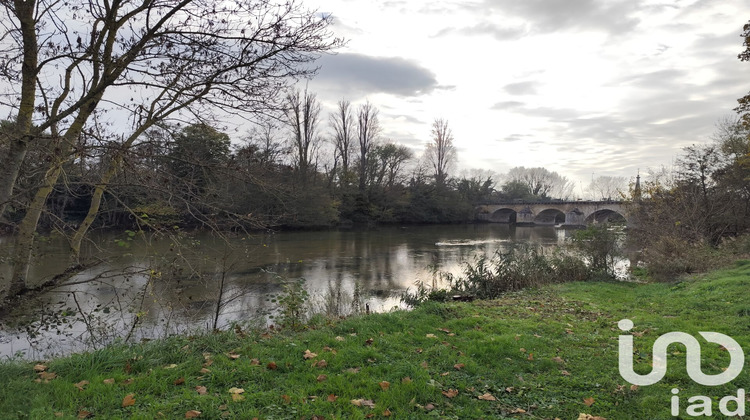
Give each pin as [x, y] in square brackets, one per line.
[150, 287]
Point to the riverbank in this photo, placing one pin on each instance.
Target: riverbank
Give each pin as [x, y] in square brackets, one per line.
[547, 353]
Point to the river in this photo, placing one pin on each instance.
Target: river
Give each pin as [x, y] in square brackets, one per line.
[149, 287]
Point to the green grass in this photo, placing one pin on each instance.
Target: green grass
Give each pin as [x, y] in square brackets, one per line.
[540, 353]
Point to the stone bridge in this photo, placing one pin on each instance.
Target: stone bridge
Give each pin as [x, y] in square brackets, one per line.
[564, 213]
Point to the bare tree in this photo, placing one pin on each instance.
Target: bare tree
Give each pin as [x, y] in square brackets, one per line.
[302, 112]
[179, 60]
[344, 129]
[368, 130]
[607, 187]
[440, 152]
[541, 182]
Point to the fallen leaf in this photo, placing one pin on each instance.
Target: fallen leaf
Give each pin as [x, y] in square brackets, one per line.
[517, 411]
[565, 372]
[81, 384]
[83, 414]
[588, 401]
[419, 350]
[583, 416]
[47, 376]
[353, 370]
[179, 381]
[509, 389]
[204, 371]
[423, 364]
[232, 355]
[271, 366]
[451, 393]
[109, 381]
[445, 330]
[321, 378]
[332, 398]
[384, 385]
[569, 331]
[369, 415]
[429, 407]
[254, 362]
[522, 350]
[368, 342]
[387, 413]
[234, 390]
[486, 397]
[339, 338]
[128, 381]
[309, 355]
[128, 400]
[459, 366]
[172, 366]
[558, 359]
[237, 397]
[531, 356]
[445, 374]
[287, 399]
[406, 380]
[431, 336]
[321, 364]
[40, 368]
[201, 390]
[634, 387]
[192, 414]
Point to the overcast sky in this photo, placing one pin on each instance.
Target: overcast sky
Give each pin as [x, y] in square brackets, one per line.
[576, 86]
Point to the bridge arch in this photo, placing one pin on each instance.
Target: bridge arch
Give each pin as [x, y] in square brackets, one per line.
[550, 217]
[503, 215]
[605, 216]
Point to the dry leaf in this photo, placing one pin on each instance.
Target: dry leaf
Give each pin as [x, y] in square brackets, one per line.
[384, 385]
[431, 336]
[204, 371]
[588, 401]
[522, 350]
[179, 381]
[429, 407]
[321, 378]
[459, 366]
[81, 384]
[234, 390]
[192, 414]
[445, 374]
[558, 359]
[368, 341]
[353, 370]
[486, 397]
[309, 355]
[517, 411]
[47, 376]
[423, 364]
[565, 372]
[40, 368]
[172, 366]
[363, 403]
[332, 398]
[634, 387]
[83, 414]
[201, 390]
[271, 365]
[109, 381]
[254, 362]
[232, 355]
[419, 350]
[445, 330]
[321, 364]
[406, 380]
[387, 413]
[237, 397]
[128, 400]
[451, 393]
[339, 338]
[287, 399]
[128, 381]
[531, 356]
[583, 416]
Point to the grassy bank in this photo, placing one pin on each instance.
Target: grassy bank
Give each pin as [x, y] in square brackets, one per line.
[547, 353]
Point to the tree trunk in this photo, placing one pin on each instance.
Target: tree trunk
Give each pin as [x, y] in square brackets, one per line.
[9, 169]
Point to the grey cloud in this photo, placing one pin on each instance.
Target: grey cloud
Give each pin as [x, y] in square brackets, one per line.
[496, 31]
[549, 15]
[521, 88]
[364, 74]
[507, 105]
